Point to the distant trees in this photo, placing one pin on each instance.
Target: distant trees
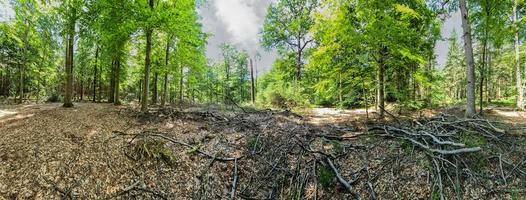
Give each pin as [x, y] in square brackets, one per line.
[332, 53]
[101, 49]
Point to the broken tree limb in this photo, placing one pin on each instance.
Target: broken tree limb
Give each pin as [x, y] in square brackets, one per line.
[342, 180]
[444, 152]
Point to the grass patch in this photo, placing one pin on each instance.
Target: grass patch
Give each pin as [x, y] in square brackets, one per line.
[325, 176]
[473, 140]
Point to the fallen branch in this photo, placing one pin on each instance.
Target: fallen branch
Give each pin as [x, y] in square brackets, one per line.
[234, 181]
[342, 181]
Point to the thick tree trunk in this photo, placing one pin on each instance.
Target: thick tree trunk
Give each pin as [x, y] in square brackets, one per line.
[518, 78]
[146, 78]
[69, 67]
[470, 68]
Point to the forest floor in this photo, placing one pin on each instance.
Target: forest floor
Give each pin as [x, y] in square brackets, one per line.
[99, 151]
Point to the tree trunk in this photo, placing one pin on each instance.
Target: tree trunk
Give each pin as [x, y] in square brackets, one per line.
[252, 86]
[518, 78]
[165, 83]
[100, 84]
[116, 99]
[69, 65]
[20, 83]
[146, 78]
[95, 75]
[155, 95]
[111, 91]
[482, 75]
[470, 68]
[181, 85]
[381, 82]
[298, 61]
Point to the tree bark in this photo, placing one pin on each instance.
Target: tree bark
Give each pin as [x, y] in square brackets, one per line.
[155, 95]
[381, 82]
[518, 78]
[69, 63]
[20, 83]
[181, 85]
[253, 87]
[95, 75]
[146, 78]
[165, 83]
[116, 98]
[111, 91]
[470, 68]
[482, 75]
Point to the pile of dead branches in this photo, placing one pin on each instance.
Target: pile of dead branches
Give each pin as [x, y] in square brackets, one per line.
[443, 138]
[280, 156]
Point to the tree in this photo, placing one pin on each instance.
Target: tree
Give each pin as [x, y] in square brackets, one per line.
[516, 43]
[287, 26]
[470, 65]
[71, 17]
[146, 84]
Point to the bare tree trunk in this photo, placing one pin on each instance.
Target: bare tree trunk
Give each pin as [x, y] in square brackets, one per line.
[100, 85]
[155, 95]
[69, 65]
[95, 75]
[20, 83]
[482, 75]
[298, 60]
[381, 82]
[253, 87]
[111, 91]
[470, 68]
[144, 103]
[181, 85]
[116, 98]
[165, 83]
[518, 78]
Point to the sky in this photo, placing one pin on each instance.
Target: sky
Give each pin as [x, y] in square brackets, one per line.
[239, 22]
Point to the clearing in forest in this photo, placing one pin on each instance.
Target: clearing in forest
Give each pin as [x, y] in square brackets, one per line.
[98, 151]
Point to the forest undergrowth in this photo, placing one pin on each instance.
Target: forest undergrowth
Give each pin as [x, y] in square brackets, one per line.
[97, 151]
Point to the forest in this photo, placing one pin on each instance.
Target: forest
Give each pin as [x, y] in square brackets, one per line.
[121, 99]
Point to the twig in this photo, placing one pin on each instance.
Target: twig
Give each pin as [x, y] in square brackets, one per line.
[234, 181]
[502, 171]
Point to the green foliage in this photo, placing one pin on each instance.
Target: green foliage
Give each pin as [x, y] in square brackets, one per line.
[325, 176]
[54, 97]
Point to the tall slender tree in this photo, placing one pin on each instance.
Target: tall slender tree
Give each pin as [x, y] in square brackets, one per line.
[470, 63]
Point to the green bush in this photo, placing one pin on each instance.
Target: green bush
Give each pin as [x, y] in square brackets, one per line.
[54, 97]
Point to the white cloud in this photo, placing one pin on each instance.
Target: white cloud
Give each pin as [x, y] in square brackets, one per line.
[240, 20]
[6, 11]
